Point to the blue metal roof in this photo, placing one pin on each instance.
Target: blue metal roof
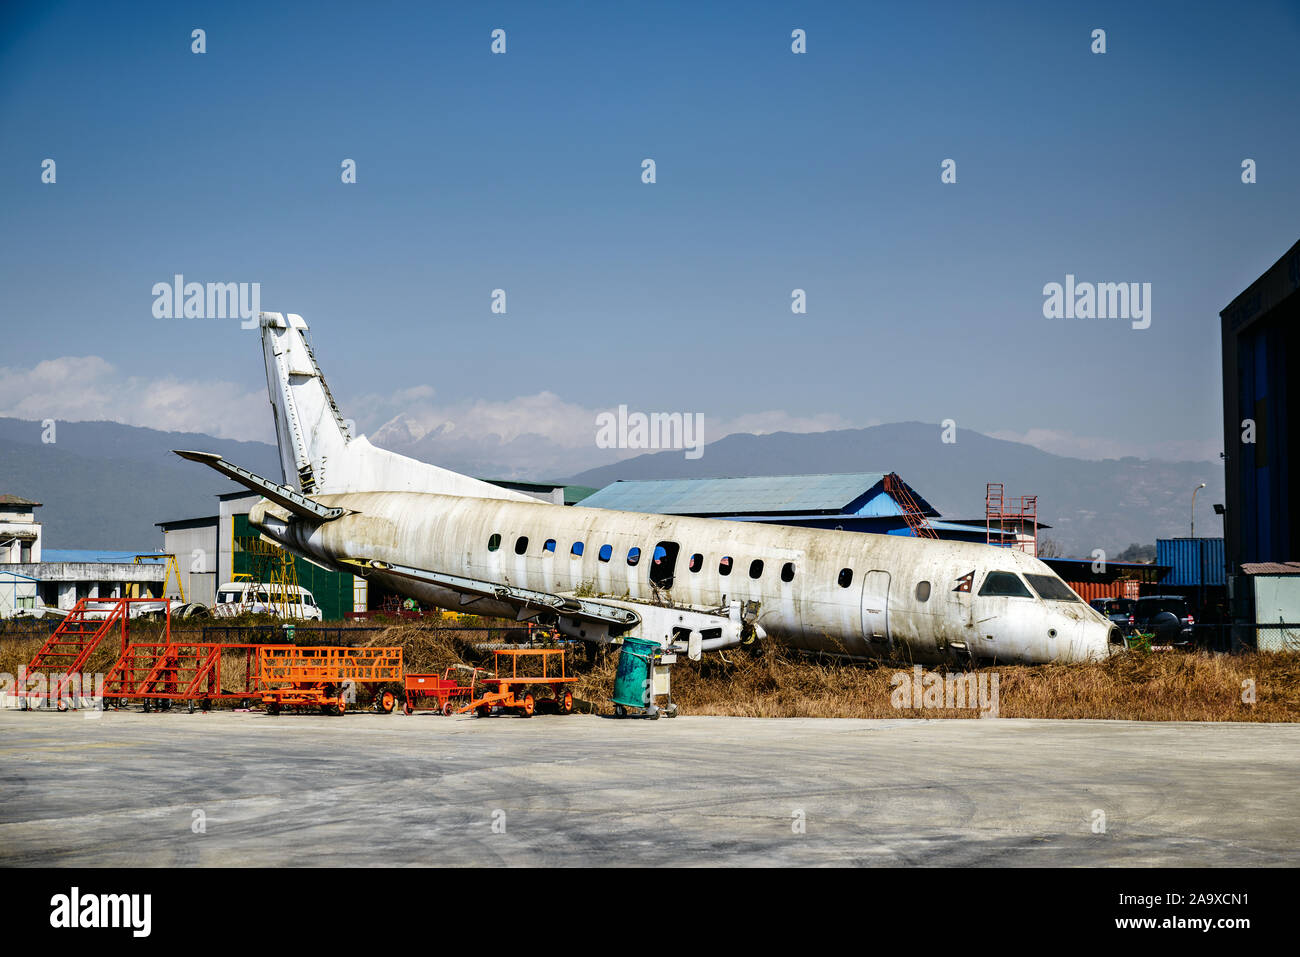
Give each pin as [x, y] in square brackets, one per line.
[756, 495]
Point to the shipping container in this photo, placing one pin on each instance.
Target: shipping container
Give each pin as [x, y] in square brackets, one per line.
[1091, 591]
[1193, 562]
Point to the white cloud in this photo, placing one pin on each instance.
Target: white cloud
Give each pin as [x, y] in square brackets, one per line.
[546, 415]
[1108, 447]
[89, 388]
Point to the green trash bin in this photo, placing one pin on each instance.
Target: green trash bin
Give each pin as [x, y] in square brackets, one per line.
[635, 669]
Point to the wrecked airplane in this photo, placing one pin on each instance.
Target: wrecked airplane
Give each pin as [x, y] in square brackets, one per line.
[691, 584]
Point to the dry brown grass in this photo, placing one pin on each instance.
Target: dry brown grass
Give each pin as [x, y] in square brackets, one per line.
[775, 683]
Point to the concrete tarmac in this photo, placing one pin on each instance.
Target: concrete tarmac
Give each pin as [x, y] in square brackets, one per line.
[127, 789]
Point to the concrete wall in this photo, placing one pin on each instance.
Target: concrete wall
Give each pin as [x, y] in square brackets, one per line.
[12, 553]
[63, 583]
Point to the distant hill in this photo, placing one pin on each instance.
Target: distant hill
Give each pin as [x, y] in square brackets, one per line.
[104, 485]
[1105, 504]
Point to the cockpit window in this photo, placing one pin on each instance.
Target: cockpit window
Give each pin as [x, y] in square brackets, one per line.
[1004, 585]
[1052, 588]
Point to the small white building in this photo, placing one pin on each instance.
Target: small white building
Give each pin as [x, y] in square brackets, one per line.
[17, 593]
[20, 533]
[32, 576]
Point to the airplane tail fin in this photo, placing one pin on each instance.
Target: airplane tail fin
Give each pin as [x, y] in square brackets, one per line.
[318, 452]
[309, 428]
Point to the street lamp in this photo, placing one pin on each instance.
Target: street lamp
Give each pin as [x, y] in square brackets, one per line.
[1194, 491]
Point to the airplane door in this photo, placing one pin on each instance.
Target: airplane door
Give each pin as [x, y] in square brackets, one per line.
[875, 608]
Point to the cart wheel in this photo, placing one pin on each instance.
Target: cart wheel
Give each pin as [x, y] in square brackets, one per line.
[483, 710]
[387, 701]
[670, 711]
[191, 707]
[653, 715]
[205, 704]
[527, 706]
[146, 706]
[164, 704]
[620, 711]
[565, 702]
[273, 708]
[448, 709]
[406, 706]
[63, 705]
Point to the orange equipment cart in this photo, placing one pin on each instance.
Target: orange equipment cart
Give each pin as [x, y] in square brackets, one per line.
[446, 688]
[311, 676]
[521, 677]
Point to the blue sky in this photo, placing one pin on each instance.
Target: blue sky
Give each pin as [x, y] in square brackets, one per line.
[522, 171]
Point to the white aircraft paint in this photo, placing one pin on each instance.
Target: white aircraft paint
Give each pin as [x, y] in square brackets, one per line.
[450, 540]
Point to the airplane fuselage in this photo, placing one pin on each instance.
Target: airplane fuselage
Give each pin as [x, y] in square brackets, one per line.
[844, 593]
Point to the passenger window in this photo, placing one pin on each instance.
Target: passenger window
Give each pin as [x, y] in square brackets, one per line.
[549, 546]
[922, 591]
[1004, 585]
[756, 568]
[724, 566]
[787, 572]
[605, 553]
[521, 544]
[696, 563]
[846, 577]
[633, 555]
[494, 543]
[576, 550]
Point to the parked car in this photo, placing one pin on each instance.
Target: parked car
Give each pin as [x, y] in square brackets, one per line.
[1118, 610]
[1167, 617]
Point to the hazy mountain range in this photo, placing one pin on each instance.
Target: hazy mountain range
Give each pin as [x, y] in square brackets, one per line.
[104, 485]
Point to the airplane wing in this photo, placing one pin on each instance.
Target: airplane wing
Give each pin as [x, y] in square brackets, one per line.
[281, 495]
[530, 603]
[727, 627]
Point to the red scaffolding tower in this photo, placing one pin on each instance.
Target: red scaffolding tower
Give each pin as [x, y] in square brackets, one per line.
[1011, 514]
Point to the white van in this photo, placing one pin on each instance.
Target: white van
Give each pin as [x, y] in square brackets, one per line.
[260, 598]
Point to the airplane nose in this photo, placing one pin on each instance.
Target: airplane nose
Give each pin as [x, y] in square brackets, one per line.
[1096, 642]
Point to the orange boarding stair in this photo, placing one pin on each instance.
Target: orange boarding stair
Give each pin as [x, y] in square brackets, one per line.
[66, 651]
[160, 673]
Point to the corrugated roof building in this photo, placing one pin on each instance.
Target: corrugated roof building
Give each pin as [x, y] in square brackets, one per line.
[852, 501]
